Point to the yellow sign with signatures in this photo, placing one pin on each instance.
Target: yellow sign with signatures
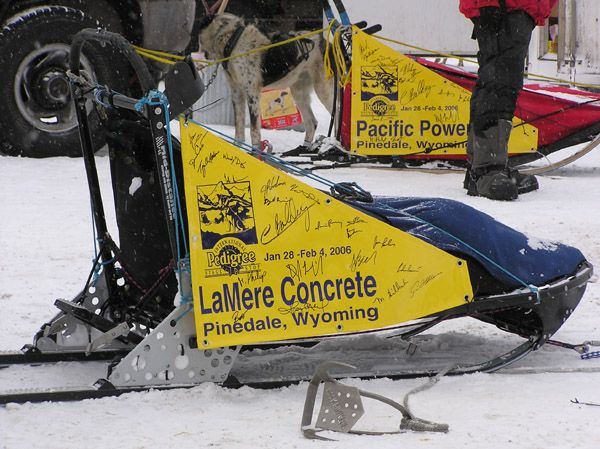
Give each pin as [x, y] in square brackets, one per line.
[400, 107]
[274, 259]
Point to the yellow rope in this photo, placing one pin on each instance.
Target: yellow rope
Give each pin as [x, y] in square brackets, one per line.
[340, 61]
[163, 56]
[149, 55]
[434, 52]
[327, 58]
[335, 47]
[446, 55]
[158, 55]
[260, 49]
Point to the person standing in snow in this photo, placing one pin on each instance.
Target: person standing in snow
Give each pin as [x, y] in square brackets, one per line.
[503, 30]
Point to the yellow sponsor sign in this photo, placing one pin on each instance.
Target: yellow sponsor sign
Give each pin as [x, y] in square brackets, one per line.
[400, 107]
[273, 258]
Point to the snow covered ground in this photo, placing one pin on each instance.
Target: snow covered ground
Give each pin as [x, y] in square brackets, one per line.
[46, 250]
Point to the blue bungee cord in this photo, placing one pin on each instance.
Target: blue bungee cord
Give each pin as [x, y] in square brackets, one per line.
[158, 98]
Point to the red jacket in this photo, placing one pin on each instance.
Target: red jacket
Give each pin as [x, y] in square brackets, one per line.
[538, 9]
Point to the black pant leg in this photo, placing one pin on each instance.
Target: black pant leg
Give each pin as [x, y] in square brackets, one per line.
[503, 47]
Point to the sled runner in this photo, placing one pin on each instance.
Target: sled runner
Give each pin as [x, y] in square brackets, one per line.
[226, 254]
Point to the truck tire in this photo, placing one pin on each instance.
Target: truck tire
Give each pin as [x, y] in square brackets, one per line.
[37, 115]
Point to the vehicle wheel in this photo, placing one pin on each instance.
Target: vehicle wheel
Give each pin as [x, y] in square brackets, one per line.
[37, 115]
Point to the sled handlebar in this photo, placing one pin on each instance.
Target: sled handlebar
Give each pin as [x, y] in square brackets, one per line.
[118, 42]
[118, 100]
[373, 29]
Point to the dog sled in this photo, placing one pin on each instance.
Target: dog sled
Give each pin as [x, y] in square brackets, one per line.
[407, 111]
[232, 270]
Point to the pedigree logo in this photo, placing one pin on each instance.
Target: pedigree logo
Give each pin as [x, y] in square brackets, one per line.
[379, 107]
[230, 257]
[226, 210]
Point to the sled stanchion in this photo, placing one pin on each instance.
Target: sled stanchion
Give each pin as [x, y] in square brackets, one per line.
[342, 12]
[155, 109]
[89, 160]
[77, 89]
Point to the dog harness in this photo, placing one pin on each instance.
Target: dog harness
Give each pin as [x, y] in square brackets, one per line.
[276, 62]
[279, 61]
[231, 43]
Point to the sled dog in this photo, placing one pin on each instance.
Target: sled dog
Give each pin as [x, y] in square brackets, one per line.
[297, 65]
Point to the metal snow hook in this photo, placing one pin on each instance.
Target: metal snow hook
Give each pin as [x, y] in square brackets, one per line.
[342, 407]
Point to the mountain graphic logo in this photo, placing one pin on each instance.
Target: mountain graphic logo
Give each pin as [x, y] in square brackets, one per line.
[226, 210]
[379, 81]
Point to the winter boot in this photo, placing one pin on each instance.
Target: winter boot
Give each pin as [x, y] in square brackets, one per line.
[525, 183]
[493, 183]
[489, 175]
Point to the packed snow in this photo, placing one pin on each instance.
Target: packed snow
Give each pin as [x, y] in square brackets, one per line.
[46, 251]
